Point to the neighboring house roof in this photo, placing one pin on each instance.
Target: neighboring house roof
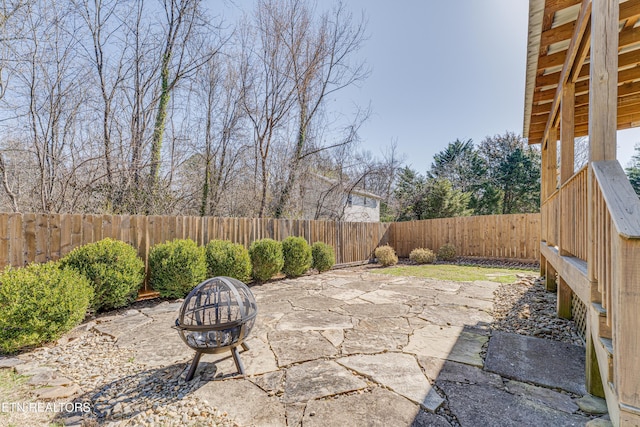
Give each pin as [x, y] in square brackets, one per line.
[356, 190]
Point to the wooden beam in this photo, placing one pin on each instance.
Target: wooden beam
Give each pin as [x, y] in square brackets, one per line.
[567, 127]
[603, 88]
[572, 53]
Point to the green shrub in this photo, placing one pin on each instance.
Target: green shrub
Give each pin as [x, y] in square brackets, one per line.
[113, 268]
[323, 256]
[176, 267]
[386, 255]
[422, 256]
[447, 252]
[39, 303]
[225, 258]
[297, 256]
[266, 258]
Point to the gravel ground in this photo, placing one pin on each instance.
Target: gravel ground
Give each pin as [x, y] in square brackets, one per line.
[160, 397]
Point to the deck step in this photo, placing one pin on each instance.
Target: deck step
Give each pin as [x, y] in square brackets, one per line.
[602, 312]
[608, 345]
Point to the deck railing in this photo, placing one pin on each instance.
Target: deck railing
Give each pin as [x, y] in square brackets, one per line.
[550, 212]
[573, 215]
[614, 268]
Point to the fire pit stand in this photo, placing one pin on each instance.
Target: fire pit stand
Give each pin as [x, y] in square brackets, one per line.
[217, 316]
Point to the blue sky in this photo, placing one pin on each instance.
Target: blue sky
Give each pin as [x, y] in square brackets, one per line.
[442, 70]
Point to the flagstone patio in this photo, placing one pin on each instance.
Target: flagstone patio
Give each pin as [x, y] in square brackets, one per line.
[349, 347]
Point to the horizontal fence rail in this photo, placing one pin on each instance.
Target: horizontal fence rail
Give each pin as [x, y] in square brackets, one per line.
[489, 236]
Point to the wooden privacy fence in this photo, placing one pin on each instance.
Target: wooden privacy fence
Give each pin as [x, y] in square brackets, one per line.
[42, 237]
[491, 236]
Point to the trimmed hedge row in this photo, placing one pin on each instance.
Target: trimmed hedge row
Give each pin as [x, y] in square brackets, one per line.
[41, 302]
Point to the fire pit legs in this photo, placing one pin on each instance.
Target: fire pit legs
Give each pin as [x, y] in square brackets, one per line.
[236, 359]
[194, 365]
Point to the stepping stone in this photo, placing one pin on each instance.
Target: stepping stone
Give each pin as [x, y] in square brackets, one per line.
[453, 343]
[378, 408]
[163, 307]
[439, 285]
[270, 382]
[59, 392]
[245, 402]
[592, 404]
[124, 325]
[366, 286]
[313, 320]
[386, 324]
[298, 346]
[399, 372]
[537, 361]
[484, 405]
[456, 315]
[9, 362]
[317, 379]
[551, 398]
[413, 289]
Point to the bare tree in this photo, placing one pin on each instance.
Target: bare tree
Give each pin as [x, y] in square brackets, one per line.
[322, 57]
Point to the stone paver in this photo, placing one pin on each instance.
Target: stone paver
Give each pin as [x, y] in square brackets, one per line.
[320, 378]
[535, 360]
[379, 408]
[483, 405]
[448, 342]
[399, 372]
[245, 402]
[340, 348]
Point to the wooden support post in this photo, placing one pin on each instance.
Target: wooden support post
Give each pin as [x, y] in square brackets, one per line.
[564, 299]
[543, 266]
[550, 278]
[567, 158]
[593, 379]
[552, 162]
[603, 80]
[543, 178]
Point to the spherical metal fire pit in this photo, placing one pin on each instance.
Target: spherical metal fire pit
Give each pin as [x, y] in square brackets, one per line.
[216, 316]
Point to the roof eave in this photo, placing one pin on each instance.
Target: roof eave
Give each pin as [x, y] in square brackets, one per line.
[536, 14]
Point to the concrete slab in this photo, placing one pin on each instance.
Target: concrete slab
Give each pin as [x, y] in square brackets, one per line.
[453, 343]
[478, 405]
[537, 361]
[456, 315]
[313, 320]
[317, 379]
[299, 346]
[545, 396]
[234, 395]
[399, 372]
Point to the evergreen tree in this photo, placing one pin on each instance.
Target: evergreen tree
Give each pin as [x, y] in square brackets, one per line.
[633, 170]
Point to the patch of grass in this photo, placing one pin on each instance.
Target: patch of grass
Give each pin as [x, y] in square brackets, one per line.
[456, 273]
